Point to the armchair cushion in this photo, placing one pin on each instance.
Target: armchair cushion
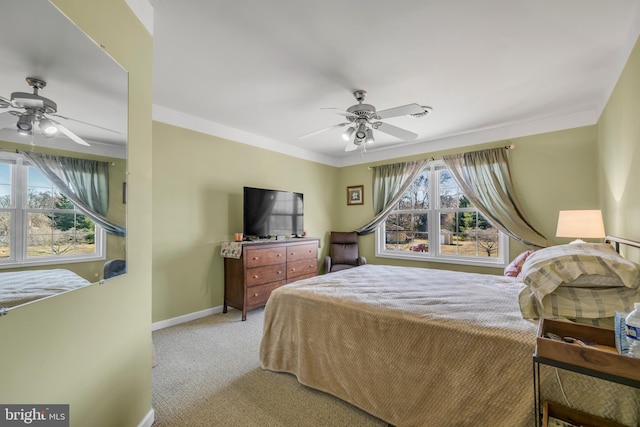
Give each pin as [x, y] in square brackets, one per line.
[344, 251]
[114, 267]
[344, 254]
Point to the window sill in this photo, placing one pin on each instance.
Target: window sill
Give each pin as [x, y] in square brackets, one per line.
[490, 262]
[48, 262]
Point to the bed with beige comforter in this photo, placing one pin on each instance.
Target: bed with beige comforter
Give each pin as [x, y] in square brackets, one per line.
[422, 347]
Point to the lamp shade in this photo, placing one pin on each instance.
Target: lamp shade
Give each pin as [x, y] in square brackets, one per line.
[361, 132]
[25, 122]
[582, 224]
[347, 133]
[47, 127]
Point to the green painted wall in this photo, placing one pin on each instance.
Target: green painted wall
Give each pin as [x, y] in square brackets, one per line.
[555, 171]
[91, 348]
[619, 154]
[197, 204]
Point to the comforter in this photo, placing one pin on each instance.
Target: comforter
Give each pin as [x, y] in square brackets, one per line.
[414, 347]
[20, 287]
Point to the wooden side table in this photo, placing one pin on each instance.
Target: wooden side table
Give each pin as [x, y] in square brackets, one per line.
[600, 361]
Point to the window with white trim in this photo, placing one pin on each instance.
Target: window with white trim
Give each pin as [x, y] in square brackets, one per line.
[38, 224]
[434, 221]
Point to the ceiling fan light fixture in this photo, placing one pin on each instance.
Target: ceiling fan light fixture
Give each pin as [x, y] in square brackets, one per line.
[25, 123]
[361, 133]
[369, 136]
[47, 127]
[363, 118]
[348, 133]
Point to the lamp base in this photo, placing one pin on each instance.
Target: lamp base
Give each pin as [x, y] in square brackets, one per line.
[577, 241]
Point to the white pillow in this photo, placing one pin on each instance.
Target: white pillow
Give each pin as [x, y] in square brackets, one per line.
[548, 268]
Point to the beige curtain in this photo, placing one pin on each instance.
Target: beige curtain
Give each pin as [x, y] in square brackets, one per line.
[485, 179]
[85, 182]
[389, 184]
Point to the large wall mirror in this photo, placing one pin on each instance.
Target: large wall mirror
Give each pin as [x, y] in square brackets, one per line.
[63, 156]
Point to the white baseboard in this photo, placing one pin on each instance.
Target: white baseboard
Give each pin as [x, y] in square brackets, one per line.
[185, 318]
[148, 420]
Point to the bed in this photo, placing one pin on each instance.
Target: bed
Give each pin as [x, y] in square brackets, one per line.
[20, 287]
[422, 347]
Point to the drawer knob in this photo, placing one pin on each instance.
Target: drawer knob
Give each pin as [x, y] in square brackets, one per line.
[255, 295]
[279, 271]
[255, 276]
[293, 269]
[293, 253]
[255, 258]
[279, 255]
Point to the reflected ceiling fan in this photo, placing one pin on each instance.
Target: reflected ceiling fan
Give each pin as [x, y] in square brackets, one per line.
[363, 119]
[31, 110]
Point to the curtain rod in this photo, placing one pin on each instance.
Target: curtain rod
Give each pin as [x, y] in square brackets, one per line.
[507, 147]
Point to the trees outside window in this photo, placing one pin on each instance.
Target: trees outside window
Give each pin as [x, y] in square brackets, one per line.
[435, 221]
[38, 224]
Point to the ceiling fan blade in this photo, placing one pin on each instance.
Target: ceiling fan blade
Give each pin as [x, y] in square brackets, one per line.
[404, 110]
[84, 123]
[339, 111]
[350, 146]
[4, 102]
[339, 125]
[7, 120]
[397, 132]
[75, 138]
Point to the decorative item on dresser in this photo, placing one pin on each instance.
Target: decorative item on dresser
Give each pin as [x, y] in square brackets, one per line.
[263, 266]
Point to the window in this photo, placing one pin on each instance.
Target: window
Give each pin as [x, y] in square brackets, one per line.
[434, 221]
[38, 224]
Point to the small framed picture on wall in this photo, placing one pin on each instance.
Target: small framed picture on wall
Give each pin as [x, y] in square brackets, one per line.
[355, 195]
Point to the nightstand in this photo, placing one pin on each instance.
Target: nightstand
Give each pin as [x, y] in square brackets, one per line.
[600, 361]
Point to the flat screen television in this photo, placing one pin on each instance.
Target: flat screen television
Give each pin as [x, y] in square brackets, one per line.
[269, 213]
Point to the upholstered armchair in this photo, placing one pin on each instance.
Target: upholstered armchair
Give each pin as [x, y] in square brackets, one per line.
[343, 252]
[114, 267]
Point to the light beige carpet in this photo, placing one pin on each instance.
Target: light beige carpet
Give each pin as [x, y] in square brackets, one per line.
[208, 374]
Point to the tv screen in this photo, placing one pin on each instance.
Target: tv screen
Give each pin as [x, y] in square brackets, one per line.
[272, 213]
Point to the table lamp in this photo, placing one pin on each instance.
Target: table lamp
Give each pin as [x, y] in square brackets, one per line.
[580, 224]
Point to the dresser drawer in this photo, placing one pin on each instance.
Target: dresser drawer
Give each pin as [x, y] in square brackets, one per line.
[300, 268]
[257, 296]
[299, 252]
[303, 276]
[255, 257]
[268, 274]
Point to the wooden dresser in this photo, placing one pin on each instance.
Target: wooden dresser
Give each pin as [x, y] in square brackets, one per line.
[265, 266]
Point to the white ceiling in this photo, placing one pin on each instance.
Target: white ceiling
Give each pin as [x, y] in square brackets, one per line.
[260, 72]
[37, 40]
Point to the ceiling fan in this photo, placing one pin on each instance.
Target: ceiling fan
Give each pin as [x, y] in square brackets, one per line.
[363, 119]
[31, 109]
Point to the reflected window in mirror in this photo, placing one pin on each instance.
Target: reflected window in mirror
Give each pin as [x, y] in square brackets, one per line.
[38, 223]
